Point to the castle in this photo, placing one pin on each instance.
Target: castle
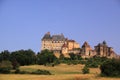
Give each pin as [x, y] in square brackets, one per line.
[61, 45]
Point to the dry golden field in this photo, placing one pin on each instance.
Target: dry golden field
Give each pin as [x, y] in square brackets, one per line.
[60, 72]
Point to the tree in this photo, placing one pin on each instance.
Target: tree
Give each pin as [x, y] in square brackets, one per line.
[110, 68]
[15, 64]
[85, 70]
[45, 57]
[72, 56]
[92, 63]
[23, 57]
[5, 55]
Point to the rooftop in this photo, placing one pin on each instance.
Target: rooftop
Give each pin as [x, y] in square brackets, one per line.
[58, 37]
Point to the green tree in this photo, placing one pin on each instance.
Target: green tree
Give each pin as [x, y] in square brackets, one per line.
[45, 57]
[5, 55]
[92, 63]
[72, 56]
[15, 64]
[110, 68]
[24, 57]
[85, 70]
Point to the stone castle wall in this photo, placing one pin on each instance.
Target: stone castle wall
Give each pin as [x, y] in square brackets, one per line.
[61, 45]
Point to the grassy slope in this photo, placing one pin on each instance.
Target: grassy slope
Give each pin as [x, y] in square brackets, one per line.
[61, 72]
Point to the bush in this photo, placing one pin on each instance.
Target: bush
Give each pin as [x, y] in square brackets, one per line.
[4, 70]
[17, 71]
[82, 62]
[5, 67]
[92, 65]
[49, 64]
[15, 64]
[110, 68]
[56, 62]
[85, 70]
[42, 72]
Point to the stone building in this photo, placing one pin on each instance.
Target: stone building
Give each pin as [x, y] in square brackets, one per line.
[54, 42]
[65, 50]
[46, 42]
[103, 50]
[73, 46]
[59, 44]
[87, 51]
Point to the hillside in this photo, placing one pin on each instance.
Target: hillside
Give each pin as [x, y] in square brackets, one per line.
[60, 72]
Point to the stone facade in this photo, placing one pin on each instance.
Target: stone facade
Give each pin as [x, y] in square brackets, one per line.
[61, 45]
[103, 50]
[54, 42]
[87, 51]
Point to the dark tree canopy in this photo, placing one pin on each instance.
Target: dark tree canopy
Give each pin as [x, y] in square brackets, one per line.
[24, 57]
[5, 55]
[110, 68]
[46, 56]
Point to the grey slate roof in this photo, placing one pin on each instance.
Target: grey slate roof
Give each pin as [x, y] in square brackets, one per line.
[47, 36]
[58, 37]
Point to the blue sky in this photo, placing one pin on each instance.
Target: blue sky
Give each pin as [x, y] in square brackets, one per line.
[24, 22]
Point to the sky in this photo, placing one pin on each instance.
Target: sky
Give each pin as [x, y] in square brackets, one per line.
[23, 23]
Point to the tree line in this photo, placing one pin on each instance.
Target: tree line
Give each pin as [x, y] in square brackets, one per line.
[12, 60]
[27, 57]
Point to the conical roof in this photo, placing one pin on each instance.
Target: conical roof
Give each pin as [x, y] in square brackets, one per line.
[85, 44]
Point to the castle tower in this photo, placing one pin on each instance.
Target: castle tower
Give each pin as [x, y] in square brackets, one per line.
[46, 42]
[86, 49]
[103, 50]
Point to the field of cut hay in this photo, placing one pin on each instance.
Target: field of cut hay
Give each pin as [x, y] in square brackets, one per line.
[60, 72]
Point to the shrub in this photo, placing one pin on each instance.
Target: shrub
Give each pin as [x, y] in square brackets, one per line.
[24, 72]
[15, 64]
[92, 65]
[17, 71]
[4, 70]
[82, 62]
[110, 68]
[85, 70]
[42, 72]
[5, 67]
[56, 62]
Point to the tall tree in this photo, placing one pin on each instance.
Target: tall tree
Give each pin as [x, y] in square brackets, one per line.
[5, 55]
[46, 56]
[24, 57]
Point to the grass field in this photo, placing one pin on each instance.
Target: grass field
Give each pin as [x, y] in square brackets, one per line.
[60, 72]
